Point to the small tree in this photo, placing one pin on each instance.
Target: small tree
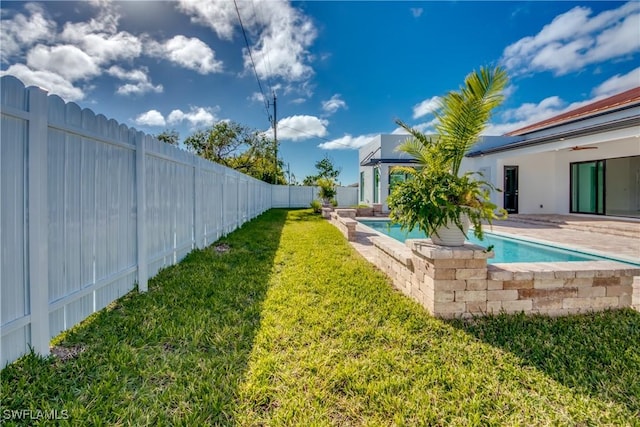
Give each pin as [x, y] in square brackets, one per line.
[170, 137]
[327, 189]
[326, 169]
[238, 147]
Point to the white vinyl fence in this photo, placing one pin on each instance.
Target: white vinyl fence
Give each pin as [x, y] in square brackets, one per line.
[296, 196]
[89, 208]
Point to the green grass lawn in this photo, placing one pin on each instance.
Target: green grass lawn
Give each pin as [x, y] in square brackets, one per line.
[291, 327]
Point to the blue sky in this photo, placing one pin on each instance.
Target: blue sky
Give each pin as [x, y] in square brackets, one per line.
[342, 71]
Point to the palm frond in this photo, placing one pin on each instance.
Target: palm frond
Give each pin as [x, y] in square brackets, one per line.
[465, 113]
[414, 133]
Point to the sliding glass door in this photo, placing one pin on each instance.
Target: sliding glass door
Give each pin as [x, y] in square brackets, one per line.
[587, 187]
[622, 195]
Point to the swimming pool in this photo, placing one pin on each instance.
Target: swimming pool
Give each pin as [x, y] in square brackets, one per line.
[506, 250]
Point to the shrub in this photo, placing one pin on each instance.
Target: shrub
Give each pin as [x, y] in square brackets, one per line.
[316, 205]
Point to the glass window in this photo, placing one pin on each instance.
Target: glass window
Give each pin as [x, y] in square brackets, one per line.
[587, 187]
[376, 185]
[396, 177]
[362, 186]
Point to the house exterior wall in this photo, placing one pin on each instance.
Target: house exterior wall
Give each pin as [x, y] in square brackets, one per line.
[377, 152]
[366, 196]
[544, 171]
[543, 167]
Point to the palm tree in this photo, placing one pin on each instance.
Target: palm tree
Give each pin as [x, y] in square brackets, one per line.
[438, 196]
[462, 116]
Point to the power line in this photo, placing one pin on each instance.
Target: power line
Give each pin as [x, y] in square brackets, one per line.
[269, 72]
[253, 64]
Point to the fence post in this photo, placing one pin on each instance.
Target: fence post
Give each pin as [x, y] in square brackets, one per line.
[141, 223]
[198, 233]
[38, 220]
[237, 202]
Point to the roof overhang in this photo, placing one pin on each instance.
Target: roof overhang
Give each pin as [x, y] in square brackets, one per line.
[375, 162]
[594, 129]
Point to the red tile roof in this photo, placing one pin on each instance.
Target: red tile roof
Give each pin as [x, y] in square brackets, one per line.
[630, 96]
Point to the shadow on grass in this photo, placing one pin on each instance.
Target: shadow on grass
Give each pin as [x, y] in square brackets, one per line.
[175, 355]
[597, 354]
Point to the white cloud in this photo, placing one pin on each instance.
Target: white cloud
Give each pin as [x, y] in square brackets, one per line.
[508, 91]
[79, 52]
[346, 142]
[133, 75]
[47, 80]
[191, 53]
[618, 83]
[426, 127]
[283, 33]
[99, 37]
[334, 104]
[67, 61]
[296, 128]
[575, 39]
[425, 107]
[619, 40]
[498, 129]
[416, 12]
[535, 112]
[399, 131]
[108, 48]
[197, 117]
[257, 97]
[20, 32]
[139, 81]
[219, 15]
[151, 118]
[530, 113]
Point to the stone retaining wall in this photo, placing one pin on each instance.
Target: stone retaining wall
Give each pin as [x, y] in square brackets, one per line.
[344, 220]
[458, 282]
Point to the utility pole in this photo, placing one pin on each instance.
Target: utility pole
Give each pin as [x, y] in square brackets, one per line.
[275, 140]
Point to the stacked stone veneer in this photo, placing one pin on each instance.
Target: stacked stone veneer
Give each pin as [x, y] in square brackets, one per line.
[345, 221]
[458, 282]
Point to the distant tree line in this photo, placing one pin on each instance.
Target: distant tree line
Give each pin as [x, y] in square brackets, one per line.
[236, 146]
[248, 151]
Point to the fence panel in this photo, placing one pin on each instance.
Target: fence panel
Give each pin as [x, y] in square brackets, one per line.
[347, 196]
[300, 196]
[14, 274]
[107, 206]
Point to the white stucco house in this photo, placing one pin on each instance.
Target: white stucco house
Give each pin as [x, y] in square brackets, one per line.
[583, 161]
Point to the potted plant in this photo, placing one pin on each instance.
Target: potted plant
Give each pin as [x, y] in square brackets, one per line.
[437, 199]
[327, 191]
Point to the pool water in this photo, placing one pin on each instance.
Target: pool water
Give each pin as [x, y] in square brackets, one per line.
[505, 249]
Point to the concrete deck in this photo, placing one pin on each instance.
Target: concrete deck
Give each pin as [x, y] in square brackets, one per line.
[612, 237]
[605, 225]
